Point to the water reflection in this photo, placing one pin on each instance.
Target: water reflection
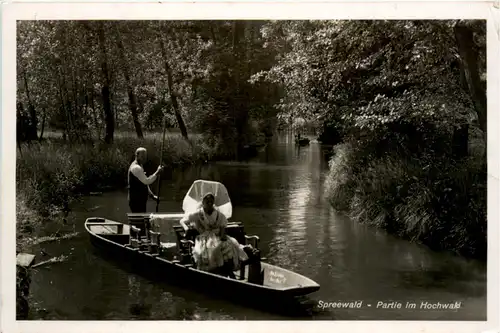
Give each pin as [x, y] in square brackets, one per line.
[279, 196]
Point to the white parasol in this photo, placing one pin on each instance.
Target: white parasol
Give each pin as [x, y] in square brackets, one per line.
[193, 198]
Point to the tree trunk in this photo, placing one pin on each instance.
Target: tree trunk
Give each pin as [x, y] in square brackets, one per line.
[240, 113]
[212, 33]
[43, 124]
[173, 97]
[94, 114]
[106, 83]
[112, 97]
[132, 100]
[69, 115]
[63, 108]
[21, 123]
[67, 104]
[461, 142]
[19, 147]
[31, 131]
[77, 114]
[468, 55]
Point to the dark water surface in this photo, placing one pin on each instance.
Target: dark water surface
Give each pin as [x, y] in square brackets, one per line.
[278, 196]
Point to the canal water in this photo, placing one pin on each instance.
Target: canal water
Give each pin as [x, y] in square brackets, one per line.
[279, 196]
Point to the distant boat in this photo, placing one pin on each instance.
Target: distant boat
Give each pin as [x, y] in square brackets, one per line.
[142, 248]
[252, 149]
[302, 142]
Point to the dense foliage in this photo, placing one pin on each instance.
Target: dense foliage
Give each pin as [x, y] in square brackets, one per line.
[366, 76]
[404, 101]
[84, 86]
[407, 99]
[130, 74]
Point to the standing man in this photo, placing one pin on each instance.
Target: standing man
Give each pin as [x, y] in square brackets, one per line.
[138, 183]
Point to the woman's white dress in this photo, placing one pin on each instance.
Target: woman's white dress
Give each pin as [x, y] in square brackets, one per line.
[210, 251]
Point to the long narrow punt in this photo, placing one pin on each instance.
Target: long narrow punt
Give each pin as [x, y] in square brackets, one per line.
[115, 239]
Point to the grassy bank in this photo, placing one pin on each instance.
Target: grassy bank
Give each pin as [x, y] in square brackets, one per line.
[52, 174]
[437, 201]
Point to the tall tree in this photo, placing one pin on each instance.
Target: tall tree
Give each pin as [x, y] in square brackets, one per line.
[32, 129]
[464, 34]
[172, 92]
[130, 90]
[370, 76]
[106, 84]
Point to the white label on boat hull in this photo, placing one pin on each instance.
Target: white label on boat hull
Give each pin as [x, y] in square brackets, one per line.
[276, 277]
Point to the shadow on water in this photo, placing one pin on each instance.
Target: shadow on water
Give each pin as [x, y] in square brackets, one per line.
[286, 309]
[278, 195]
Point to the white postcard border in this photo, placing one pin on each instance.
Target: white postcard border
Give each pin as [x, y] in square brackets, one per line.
[242, 10]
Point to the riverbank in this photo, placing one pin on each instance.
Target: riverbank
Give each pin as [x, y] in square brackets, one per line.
[439, 201]
[52, 174]
[284, 189]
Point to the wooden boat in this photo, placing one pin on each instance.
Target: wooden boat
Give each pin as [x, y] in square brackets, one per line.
[252, 149]
[302, 141]
[140, 245]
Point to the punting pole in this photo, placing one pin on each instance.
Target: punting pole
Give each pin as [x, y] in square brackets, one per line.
[161, 162]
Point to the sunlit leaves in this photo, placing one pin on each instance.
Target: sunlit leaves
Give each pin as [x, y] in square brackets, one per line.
[382, 71]
[363, 74]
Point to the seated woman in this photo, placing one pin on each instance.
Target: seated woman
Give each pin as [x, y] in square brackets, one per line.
[213, 249]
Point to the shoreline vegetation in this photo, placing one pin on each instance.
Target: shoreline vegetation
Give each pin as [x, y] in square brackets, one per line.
[53, 173]
[403, 103]
[439, 201]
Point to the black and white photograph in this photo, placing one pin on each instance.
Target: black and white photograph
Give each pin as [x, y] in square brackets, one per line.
[251, 169]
